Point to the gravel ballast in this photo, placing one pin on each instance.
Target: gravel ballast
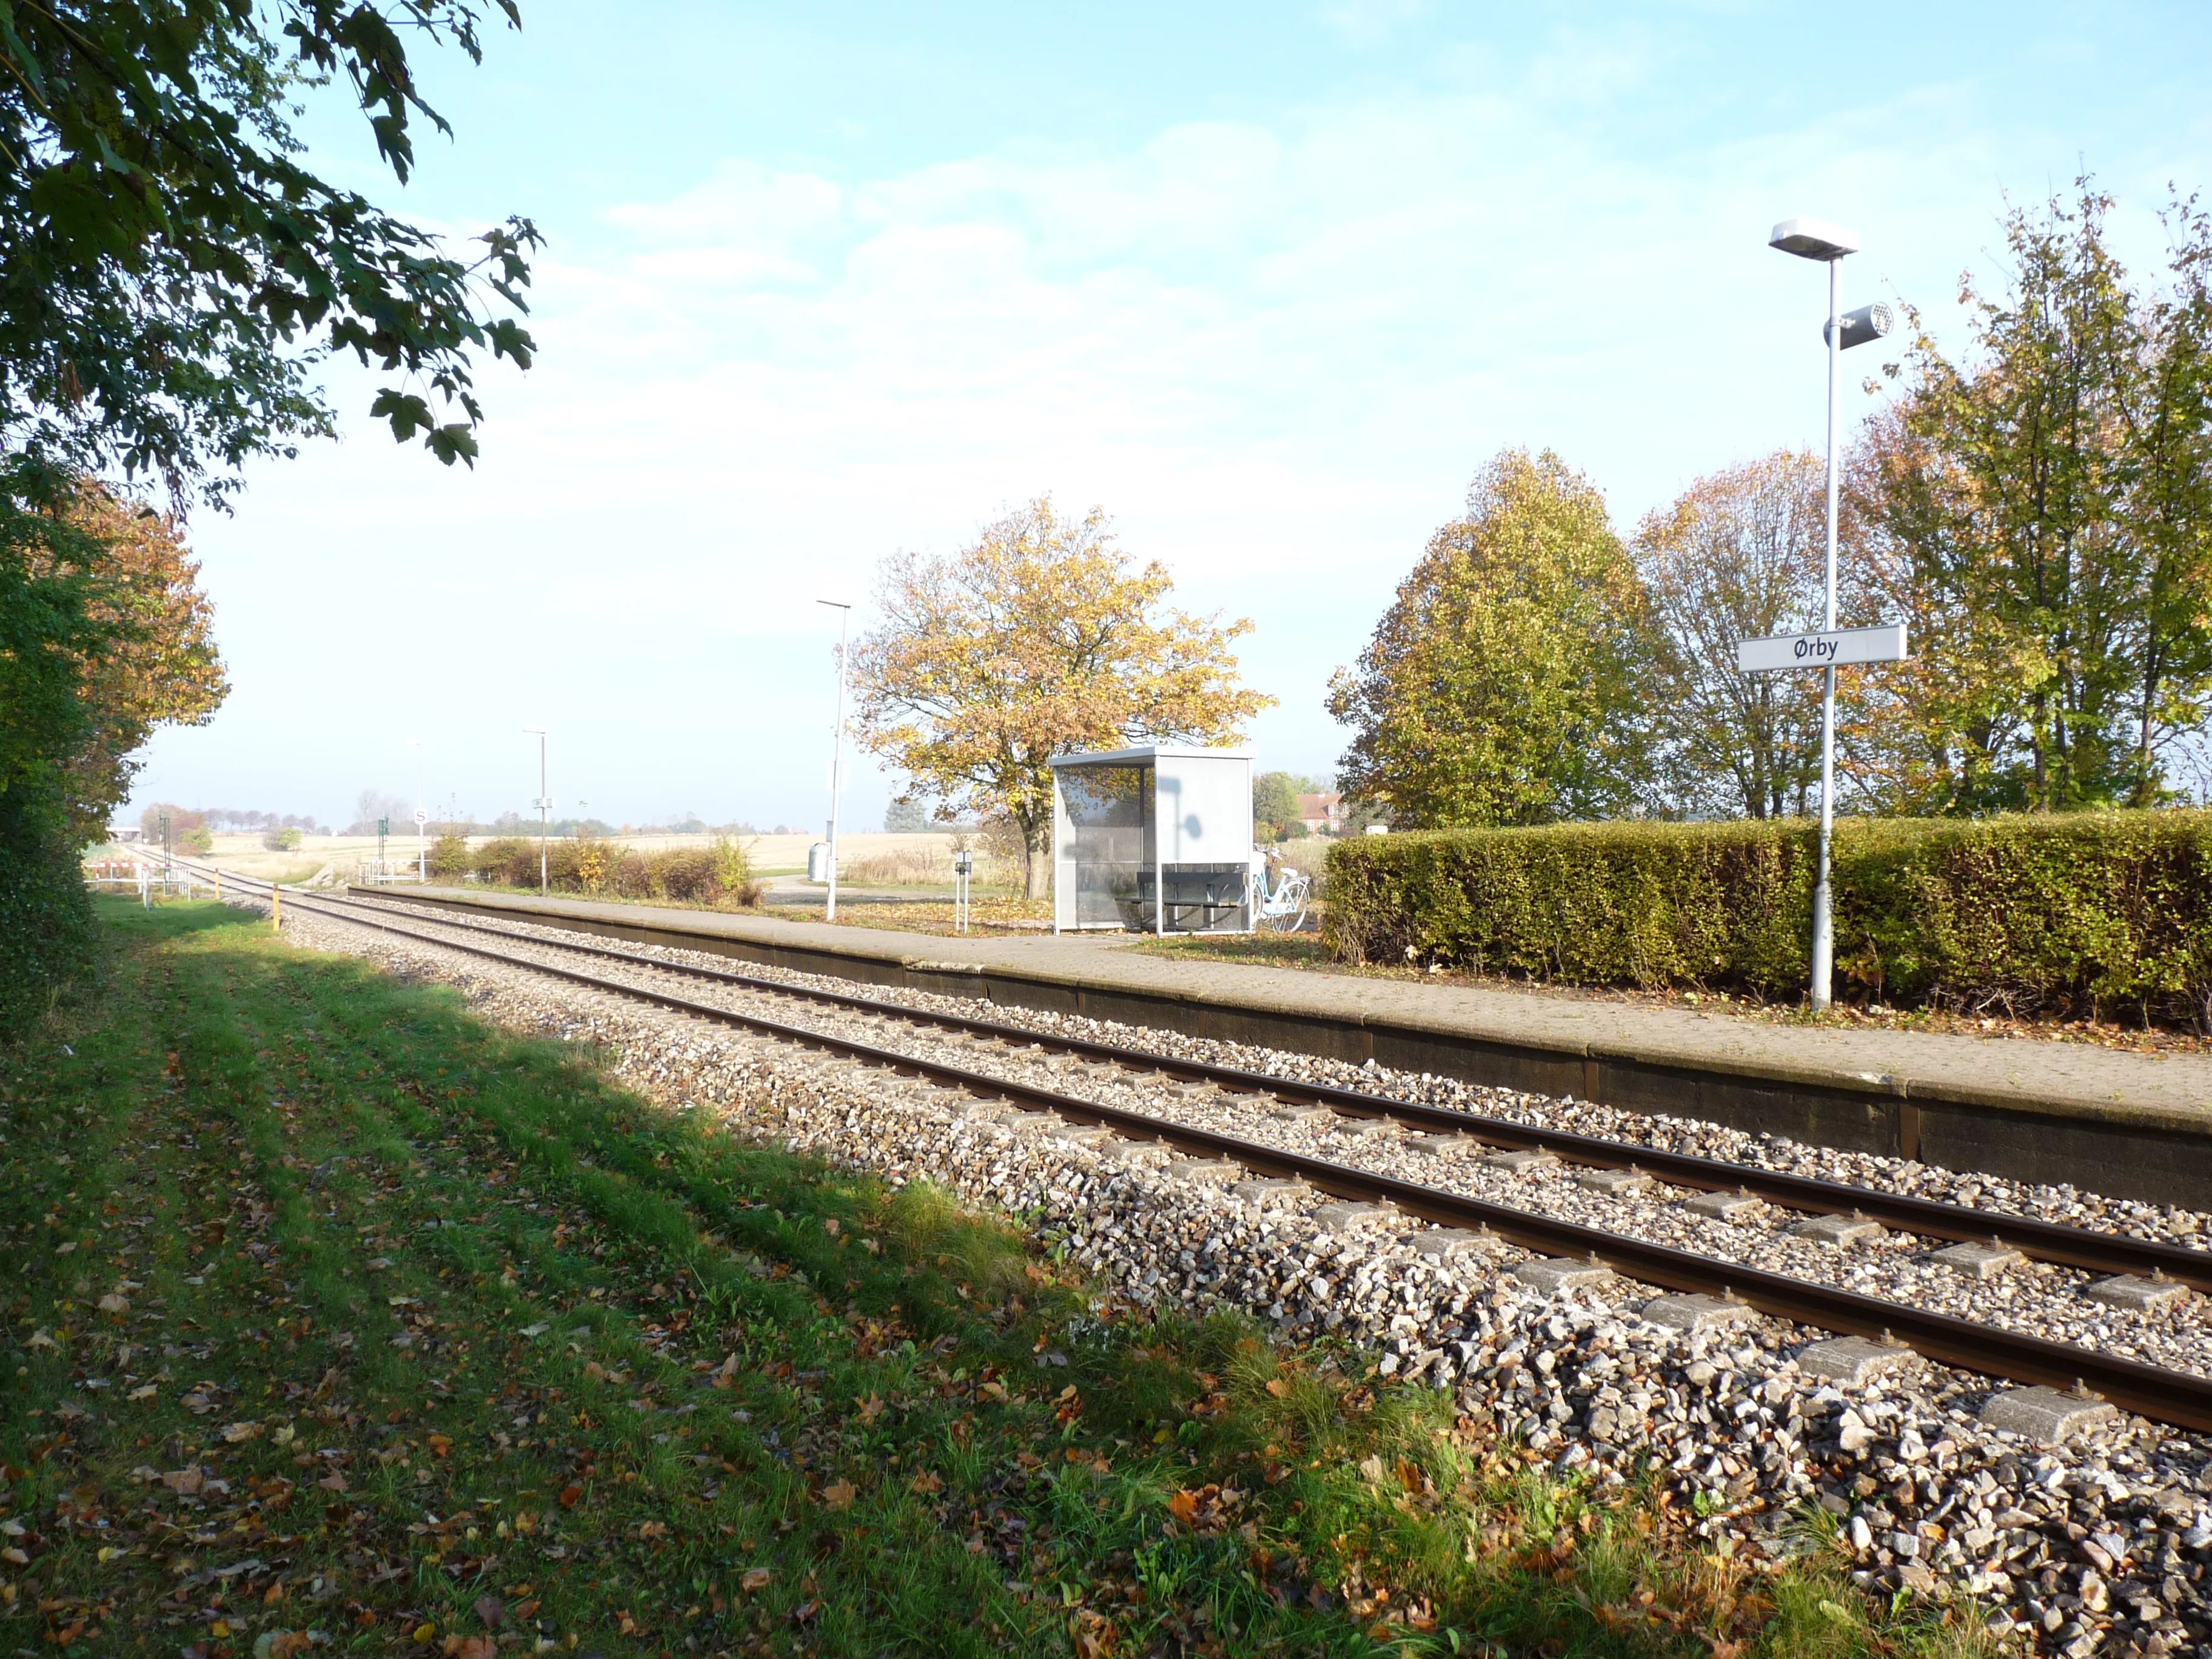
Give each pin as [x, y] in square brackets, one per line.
[2101, 1544]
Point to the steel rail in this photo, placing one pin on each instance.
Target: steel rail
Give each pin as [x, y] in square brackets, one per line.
[2172, 1397]
[2044, 1240]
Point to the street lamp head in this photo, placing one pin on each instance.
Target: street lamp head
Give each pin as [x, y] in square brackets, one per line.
[834, 604]
[1866, 323]
[1814, 238]
[535, 731]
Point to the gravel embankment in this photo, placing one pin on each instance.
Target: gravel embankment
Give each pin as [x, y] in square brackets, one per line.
[2039, 1299]
[2101, 1545]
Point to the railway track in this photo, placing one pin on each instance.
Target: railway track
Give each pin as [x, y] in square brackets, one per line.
[2158, 1393]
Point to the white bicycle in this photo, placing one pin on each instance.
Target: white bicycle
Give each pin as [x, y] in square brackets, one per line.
[1281, 909]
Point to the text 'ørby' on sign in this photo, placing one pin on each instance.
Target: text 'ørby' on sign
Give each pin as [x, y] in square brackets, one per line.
[1829, 650]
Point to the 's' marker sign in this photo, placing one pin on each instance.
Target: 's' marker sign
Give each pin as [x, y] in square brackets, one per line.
[1831, 650]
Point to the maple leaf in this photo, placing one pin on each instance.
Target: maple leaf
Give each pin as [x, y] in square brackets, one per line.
[1184, 1507]
[839, 1494]
[870, 1408]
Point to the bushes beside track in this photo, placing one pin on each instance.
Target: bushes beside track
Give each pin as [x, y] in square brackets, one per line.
[2082, 913]
[601, 869]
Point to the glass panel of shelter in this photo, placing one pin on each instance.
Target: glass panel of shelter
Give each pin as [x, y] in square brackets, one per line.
[1110, 820]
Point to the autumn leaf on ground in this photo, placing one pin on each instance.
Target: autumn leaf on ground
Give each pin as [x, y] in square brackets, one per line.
[754, 1579]
[870, 1408]
[839, 1494]
[926, 1483]
[726, 1377]
[1184, 1507]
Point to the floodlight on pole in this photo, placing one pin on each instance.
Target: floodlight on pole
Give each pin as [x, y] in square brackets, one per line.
[545, 806]
[838, 743]
[1828, 243]
[422, 818]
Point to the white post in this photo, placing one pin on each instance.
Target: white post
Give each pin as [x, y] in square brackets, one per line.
[1824, 940]
[544, 816]
[837, 747]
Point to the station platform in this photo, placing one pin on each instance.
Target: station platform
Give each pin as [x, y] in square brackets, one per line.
[2127, 1125]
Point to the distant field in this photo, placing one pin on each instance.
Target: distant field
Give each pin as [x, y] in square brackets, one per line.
[772, 854]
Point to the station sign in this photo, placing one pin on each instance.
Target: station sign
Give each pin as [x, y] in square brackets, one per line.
[1831, 649]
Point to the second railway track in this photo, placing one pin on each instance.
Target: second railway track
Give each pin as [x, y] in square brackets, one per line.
[2162, 1394]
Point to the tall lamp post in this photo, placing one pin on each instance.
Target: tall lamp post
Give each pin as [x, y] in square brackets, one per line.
[422, 818]
[1829, 244]
[838, 743]
[545, 806]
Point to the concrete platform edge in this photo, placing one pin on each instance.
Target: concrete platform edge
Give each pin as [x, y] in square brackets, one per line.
[2155, 1153]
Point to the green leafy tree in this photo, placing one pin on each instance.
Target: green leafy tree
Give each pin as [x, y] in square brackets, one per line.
[1275, 803]
[1507, 682]
[171, 269]
[2044, 511]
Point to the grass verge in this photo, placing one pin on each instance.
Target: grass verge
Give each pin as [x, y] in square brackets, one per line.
[337, 1321]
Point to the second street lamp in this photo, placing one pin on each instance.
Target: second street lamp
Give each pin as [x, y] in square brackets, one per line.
[545, 806]
[837, 744]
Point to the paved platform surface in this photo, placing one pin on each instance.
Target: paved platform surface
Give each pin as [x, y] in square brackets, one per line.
[2161, 1092]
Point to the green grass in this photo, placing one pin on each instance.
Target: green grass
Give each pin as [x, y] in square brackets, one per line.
[334, 1315]
[1269, 950]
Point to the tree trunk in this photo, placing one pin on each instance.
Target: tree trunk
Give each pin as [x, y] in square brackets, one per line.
[1037, 858]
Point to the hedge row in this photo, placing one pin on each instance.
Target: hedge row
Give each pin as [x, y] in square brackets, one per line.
[2082, 913]
[46, 917]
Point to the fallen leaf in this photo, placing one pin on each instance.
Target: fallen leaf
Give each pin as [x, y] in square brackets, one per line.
[113, 1303]
[186, 1480]
[379, 1264]
[440, 1444]
[727, 1376]
[1184, 1507]
[334, 1481]
[839, 1494]
[40, 1340]
[537, 1330]
[570, 1495]
[626, 1625]
[1277, 1387]
[197, 1404]
[926, 1482]
[491, 1610]
[147, 1391]
[870, 1408]
[65, 1248]
[594, 1371]
[754, 1579]
[236, 1433]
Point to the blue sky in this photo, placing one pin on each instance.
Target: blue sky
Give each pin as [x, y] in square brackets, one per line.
[1268, 283]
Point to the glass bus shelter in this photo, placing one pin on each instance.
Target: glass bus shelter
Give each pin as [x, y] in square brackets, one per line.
[1155, 840]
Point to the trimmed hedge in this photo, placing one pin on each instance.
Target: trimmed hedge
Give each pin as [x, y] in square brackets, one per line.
[2080, 913]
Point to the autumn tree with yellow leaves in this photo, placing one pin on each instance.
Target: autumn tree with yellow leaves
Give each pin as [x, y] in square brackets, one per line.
[1043, 638]
[104, 636]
